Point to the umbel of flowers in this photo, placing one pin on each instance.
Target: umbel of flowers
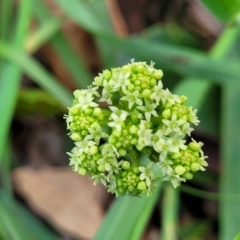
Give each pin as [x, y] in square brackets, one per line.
[141, 118]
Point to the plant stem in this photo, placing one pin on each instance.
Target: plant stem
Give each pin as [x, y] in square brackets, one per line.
[169, 214]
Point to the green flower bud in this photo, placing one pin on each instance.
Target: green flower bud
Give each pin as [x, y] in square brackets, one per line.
[107, 74]
[166, 113]
[82, 171]
[131, 87]
[98, 81]
[122, 152]
[195, 167]
[126, 165]
[146, 93]
[77, 93]
[188, 176]
[93, 150]
[180, 170]
[133, 129]
[75, 137]
[158, 74]
[101, 168]
[74, 110]
[183, 98]
[141, 186]
[140, 68]
[194, 146]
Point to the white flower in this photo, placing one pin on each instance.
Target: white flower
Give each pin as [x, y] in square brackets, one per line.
[91, 91]
[75, 160]
[118, 112]
[108, 89]
[179, 143]
[118, 120]
[100, 177]
[109, 162]
[132, 98]
[175, 179]
[85, 102]
[83, 146]
[173, 125]
[97, 134]
[109, 149]
[172, 98]
[122, 80]
[69, 119]
[186, 129]
[144, 135]
[149, 109]
[147, 174]
[156, 95]
[165, 146]
[165, 167]
[193, 117]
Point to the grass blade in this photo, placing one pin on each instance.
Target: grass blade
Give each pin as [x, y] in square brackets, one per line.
[33, 69]
[127, 218]
[170, 213]
[72, 61]
[26, 227]
[230, 179]
[11, 74]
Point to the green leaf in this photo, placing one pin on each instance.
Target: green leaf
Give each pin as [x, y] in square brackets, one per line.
[72, 61]
[127, 218]
[10, 74]
[33, 69]
[237, 237]
[224, 10]
[230, 178]
[24, 225]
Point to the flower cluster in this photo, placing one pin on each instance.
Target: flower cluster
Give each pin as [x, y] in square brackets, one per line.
[142, 119]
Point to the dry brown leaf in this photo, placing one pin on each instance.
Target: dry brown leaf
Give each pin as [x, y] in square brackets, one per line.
[67, 200]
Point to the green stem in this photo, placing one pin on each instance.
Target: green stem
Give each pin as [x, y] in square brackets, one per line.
[169, 215]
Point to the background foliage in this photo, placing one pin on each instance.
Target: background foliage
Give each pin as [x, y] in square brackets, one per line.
[201, 65]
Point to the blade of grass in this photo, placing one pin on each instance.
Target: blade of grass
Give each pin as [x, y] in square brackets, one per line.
[5, 165]
[170, 213]
[11, 75]
[230, 179]
[43, 34]
[25, 227]
[34, 70]
[127, 218]
[72, 61]
[170, 57]
[224, 10]
[5, 21]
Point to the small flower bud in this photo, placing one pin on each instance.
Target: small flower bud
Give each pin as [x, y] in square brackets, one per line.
[166, 113]
[194, 146]
[93, 150]
[188, 176]
[98, 81]
[75, 137]
[74, 110]
[133, 129]
[107, 74]
[101, 168]
[122, 152]
[195, 167]
[183, 98]
[141, 186]
[180, 170]
[82, 171]
[158, 74]
[146, 93]
[140, 68]
[126, 165]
